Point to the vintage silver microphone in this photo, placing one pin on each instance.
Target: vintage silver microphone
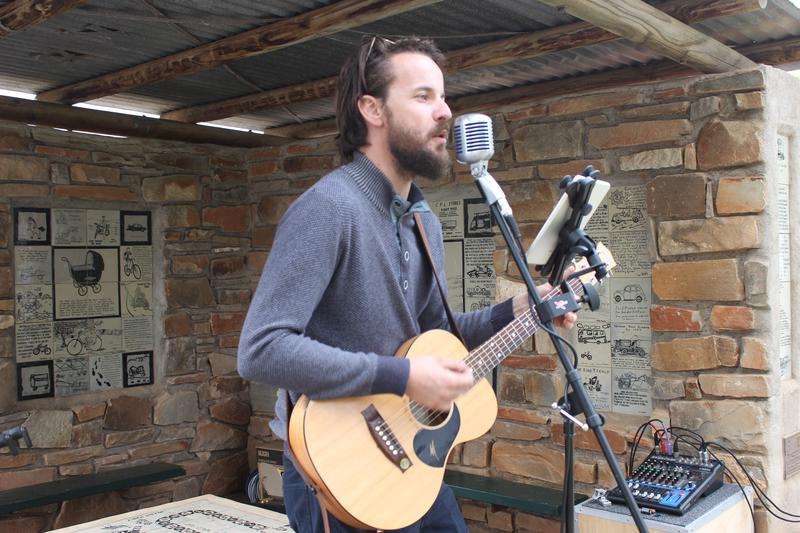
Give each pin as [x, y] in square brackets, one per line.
[475, 147]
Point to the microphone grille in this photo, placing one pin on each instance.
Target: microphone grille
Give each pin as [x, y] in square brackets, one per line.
[473, 138]
[478, 135]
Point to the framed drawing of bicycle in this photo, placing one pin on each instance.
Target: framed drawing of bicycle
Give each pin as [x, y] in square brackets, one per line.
[83, 300]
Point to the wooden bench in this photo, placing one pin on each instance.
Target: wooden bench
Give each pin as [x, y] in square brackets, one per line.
[541, 501]
[85, 485]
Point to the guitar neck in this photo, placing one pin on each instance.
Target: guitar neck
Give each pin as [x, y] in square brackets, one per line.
[491, 353]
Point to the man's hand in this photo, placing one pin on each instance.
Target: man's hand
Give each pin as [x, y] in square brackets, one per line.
[436, 383]
[522, 303]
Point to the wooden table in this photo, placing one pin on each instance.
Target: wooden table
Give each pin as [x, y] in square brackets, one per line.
[194, 515]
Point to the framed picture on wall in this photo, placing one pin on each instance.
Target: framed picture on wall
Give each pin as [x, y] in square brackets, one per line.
[35, 380]
[135, 227]
[31, 226]
[137, 368]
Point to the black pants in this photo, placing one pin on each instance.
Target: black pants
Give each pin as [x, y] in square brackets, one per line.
[302, 508]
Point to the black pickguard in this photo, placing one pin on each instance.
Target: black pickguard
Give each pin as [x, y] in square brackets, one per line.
[433, 445]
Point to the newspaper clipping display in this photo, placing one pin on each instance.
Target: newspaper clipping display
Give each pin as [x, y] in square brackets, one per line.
[784, 260]
[613, 343]
[83, 287]
[468, 248]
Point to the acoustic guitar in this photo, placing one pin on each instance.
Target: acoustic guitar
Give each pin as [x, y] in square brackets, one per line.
[378, 461]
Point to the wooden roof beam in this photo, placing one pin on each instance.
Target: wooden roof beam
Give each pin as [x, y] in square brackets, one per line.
[644, 24]
[77, 118]
[525, 46]
[22, 14]
[327, 20]
[776, 53]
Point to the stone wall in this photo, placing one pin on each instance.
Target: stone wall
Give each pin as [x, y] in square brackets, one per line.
[699, 147]
[197, 412]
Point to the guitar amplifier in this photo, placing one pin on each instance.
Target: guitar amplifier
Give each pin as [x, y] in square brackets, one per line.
[671, 483]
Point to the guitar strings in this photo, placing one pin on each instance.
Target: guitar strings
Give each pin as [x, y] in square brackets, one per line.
[476, 356]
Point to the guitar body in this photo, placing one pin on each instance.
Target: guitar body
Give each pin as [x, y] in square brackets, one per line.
[365, 484]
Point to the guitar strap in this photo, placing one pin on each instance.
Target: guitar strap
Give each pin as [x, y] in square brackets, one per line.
[426, 245]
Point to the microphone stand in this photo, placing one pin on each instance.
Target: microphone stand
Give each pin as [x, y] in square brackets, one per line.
[572, 241]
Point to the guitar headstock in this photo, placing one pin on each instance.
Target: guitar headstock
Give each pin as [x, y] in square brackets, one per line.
[605, 256]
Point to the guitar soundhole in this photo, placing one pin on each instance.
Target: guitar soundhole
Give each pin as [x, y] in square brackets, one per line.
[430, 417]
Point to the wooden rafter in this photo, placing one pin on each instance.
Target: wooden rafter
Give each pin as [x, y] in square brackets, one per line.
[782, 52]
[21, 14]
[76, 118]
[320, 22]
[525, 46]
[647, 25]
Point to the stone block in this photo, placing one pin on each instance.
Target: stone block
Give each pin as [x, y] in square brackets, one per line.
[743, 81]
[103, 193]
[272, 208]
[716, 280]
[691, 388]
[15, 143]
[24, 168]
[192, 293]
[231, 411]
[226, 475]
[668, 388]
[541, 388]
[83, 173]
[695, 353]
[514, 174]
[23, 190]
[538, 110]
[737, 424]
[160, 448]
[726, 234]
[234, 219]
[587, 441]
[755, 282]
[222, 364]
[727, 144]
[512, 387]
[189, 264]
[181, 161]
[528, 460]
[556, 171]
[538, 142]
[177, 325]
[22, 478]
[50, 429]
[659, 110]
[182, 216]
[174, 408]
[749, 101]
[638, 133]
[704, 107]
[737, 196]
[87, 434]
[73, 456]
[180, 356]
[500, 520]
[317, 164]
[735, 385]
[127, 412]
[531, 202]
[581, 104]
[125, 438]
[652, 159]
[87, 412]
[475, 453]
[690, 156]
[228, 267]
[732, 318]
[8, 394]
[677, 196]
[90, 508]
[518, 414]
[266, 152]
[476, 513]
[513, 431]
[754, 354]
[537, 524]
[666, 318]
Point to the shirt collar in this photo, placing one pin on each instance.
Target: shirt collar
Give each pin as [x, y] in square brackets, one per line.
[377, 188]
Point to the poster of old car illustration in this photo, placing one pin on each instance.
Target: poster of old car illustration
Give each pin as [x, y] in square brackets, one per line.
[614, 343]
[469, 248]
[81, 290]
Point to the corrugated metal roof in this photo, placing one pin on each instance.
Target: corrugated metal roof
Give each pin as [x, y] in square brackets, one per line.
[107, 35]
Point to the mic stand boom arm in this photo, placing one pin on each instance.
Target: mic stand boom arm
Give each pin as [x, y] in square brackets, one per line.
[579, 394]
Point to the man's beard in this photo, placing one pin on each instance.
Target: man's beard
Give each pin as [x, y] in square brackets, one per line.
[413, 157]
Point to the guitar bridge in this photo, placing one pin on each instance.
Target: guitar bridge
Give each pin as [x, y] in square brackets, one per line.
[385, 438]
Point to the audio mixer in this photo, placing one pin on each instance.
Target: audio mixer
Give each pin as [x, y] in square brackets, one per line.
[671, 483]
